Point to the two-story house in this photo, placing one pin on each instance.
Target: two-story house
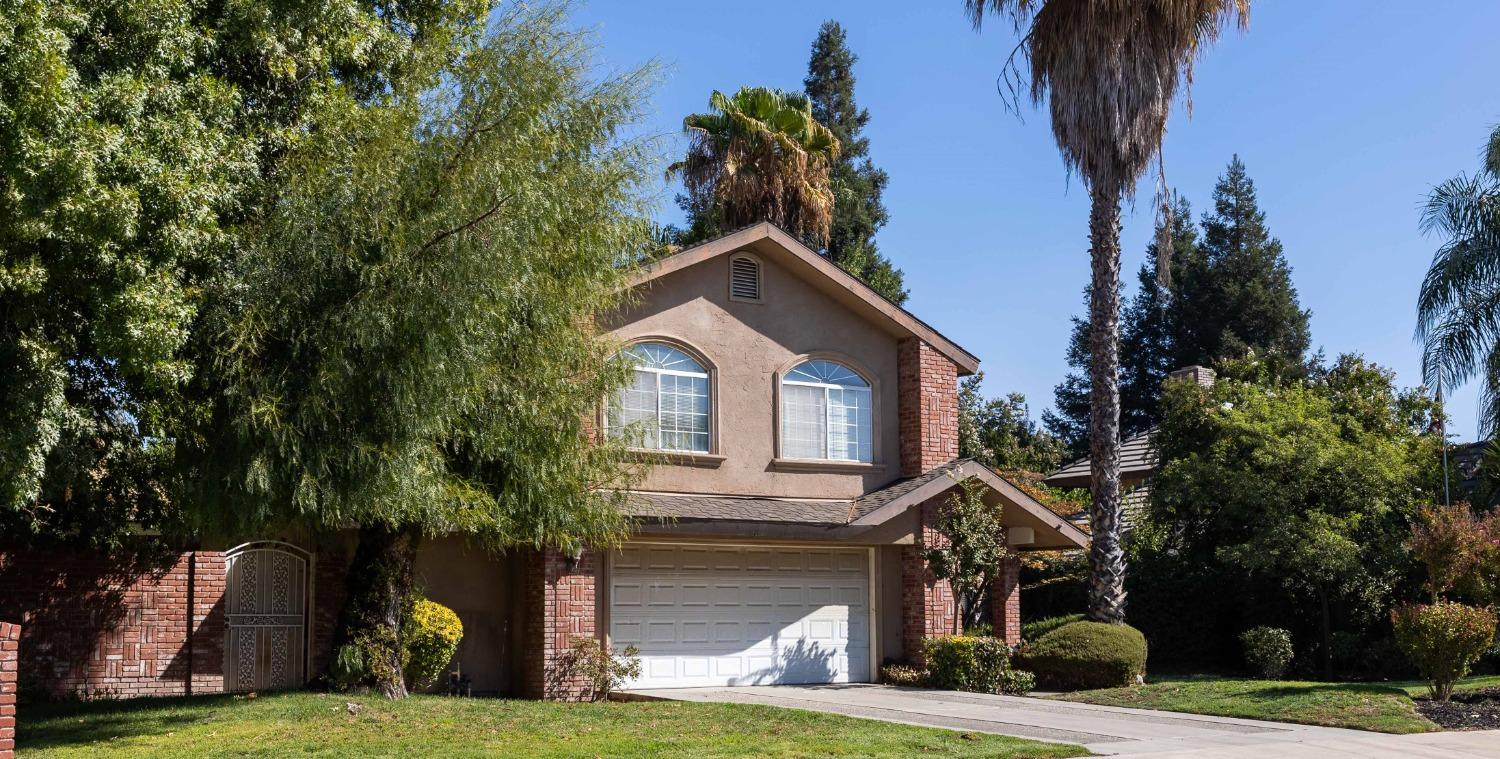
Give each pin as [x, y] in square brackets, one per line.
[807, 428]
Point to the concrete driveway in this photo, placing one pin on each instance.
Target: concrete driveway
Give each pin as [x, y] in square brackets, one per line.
[1101, 729]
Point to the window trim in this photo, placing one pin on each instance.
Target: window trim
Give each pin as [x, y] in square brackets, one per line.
[712, 456]
[760, 277]
[780, 460]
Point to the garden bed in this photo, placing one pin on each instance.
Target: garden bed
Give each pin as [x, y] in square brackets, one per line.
[1468, 710]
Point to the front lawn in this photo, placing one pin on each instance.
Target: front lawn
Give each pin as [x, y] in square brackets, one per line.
[320, 725]
[1361, 706]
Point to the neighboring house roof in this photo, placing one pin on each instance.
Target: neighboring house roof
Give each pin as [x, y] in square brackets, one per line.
[1137, 459]
[867, 511]
[798, 258]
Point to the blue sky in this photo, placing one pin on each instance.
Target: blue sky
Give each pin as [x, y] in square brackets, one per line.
[1345, 113]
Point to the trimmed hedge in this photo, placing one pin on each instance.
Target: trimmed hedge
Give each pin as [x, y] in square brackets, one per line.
[978, 664]
[1087, 655]
[1035, 629]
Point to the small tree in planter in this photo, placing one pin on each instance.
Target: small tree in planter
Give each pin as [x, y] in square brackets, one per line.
[975, 545]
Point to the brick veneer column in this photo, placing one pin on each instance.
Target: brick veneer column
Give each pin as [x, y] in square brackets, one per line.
[208, 626]
[926, 601]
[1005, 601]
[10, 658]
[927, 392]
[560, 604]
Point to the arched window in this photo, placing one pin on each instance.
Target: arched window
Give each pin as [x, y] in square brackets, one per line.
[666, 404]
[825, 413]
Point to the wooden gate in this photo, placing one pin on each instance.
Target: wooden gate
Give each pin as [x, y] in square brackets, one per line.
[266, 605]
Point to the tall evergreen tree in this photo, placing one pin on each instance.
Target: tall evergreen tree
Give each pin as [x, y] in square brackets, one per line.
[1231, 297]
[858, 211]
[1236, 296]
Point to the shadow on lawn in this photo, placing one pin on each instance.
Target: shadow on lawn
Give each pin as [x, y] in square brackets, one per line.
[49, 725]
[1313, 689]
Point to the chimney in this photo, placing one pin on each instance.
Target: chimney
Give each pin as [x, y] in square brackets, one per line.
[1202, 375]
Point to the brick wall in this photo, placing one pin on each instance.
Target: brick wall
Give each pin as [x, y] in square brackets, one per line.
[927, 388]
[1005, 601]
[10, 655]
[926, 601]
[560, 606]
[117, 626]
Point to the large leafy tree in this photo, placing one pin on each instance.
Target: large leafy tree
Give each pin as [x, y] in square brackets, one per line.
[410, 346]
[1000, 433]
[135, 138]
[1291, 497]
[1458, 309]
[1109, 71]
[858, 211]
[758, 155]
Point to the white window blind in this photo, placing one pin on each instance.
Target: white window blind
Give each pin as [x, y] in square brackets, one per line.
[826, 413]
[666, 406]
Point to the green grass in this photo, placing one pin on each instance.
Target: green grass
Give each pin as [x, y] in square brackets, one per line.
[319, 725]
[1362, 706]
[1418, 688]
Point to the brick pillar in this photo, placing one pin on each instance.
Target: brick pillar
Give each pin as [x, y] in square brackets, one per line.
[926, 601]
[10, 656]
[1005, 601]
[560, 606]
[207, 626]
[927, 400]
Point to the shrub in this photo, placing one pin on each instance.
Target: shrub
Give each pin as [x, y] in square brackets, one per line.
[1086, 655]
[1037, 628]
[600, 669]
[348, 669]
[903, 674]
[1443, 639]
[429, 638]
[1017, 682]
[973, 663]
[1268, 650]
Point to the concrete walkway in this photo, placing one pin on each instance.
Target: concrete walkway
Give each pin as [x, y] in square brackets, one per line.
[1101, 729]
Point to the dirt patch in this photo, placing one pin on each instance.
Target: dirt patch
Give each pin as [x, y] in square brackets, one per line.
[1470, 710]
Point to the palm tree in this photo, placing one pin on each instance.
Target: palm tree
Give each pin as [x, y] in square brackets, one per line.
[760, 156]
[1109, 71]
[1458, 310]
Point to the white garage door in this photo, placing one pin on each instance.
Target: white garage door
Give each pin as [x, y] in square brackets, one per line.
[727, 615]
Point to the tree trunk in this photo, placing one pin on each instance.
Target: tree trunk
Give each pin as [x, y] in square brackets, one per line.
[1106, 554]
[1327, 634]
[378, 592]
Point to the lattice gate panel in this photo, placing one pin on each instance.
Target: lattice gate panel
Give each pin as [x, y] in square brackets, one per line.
[266, 606]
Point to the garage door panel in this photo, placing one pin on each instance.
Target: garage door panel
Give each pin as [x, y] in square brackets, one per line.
[716, 615]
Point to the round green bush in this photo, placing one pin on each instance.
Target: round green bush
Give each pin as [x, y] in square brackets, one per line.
[430, 637]
[1268, 650]
[1087, 655]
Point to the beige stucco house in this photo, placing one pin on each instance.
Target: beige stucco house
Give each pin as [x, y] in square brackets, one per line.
[805, 428]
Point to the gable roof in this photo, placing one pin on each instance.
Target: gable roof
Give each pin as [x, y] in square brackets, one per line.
[767, 238]
[1137, 457]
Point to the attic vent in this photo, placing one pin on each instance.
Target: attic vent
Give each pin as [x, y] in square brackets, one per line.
[744, 278]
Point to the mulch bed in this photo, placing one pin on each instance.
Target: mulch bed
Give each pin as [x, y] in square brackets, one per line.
[1469, 710]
